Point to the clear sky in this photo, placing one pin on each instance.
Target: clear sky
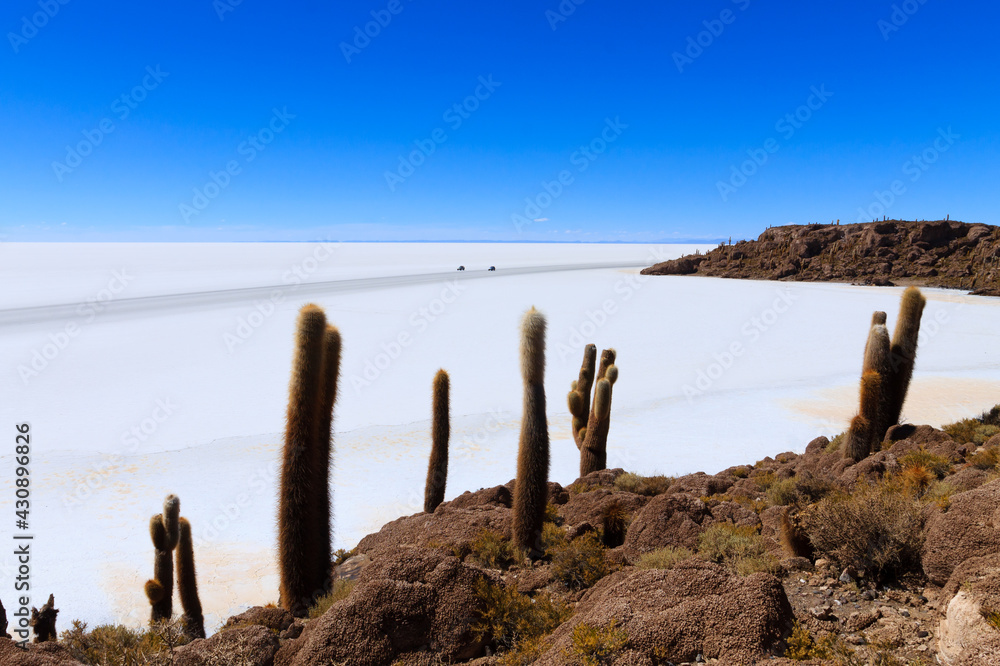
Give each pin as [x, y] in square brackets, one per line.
[515, 120]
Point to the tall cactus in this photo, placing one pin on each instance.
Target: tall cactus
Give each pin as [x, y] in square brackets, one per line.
[164, 533]
[297, 493]
[579, 395]
[187, 583]
[322, 452]
[437, 466]
[904, 350]
[531, 486]
[594, 452]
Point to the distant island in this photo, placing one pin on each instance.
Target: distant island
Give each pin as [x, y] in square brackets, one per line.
[942, 253]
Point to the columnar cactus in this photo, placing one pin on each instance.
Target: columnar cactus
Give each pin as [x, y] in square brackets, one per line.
[187, 583]
[579, 394]
[531, 487]
[298, 493]
[164, 533]
[594, 451]
[904, 350]
[437, 466]
[322, 452]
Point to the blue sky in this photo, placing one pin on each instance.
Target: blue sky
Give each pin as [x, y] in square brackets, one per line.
[634, 121]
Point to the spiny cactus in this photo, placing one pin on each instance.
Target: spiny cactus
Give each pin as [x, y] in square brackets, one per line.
[531, 487]
[614, 522]
[164, 533]
[594, 452]
[437, 466]
[322, 451]
[904, 350]
[579, 394]
[187, 583]
[43, 621]
[794, 541]
[297, 494]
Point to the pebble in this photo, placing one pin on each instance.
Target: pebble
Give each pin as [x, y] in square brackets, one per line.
[904, 612]
[923, 634]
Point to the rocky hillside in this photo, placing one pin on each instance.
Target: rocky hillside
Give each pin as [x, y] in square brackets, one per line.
[798, 559]
[933, 254]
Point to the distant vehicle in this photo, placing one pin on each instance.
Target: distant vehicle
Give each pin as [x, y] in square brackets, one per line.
[461, 268]
[493, 268]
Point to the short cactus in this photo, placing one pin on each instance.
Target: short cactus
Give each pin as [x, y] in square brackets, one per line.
[594, 451]
[187, 583]
[43, 621]
[579, 394]
[164, 533]
[531, 486]
[437, 466]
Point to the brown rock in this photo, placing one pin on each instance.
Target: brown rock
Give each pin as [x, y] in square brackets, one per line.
[969, 528]
[449, 526]
[588, 507]
[253, 645]
[700, 484]
[275, 619]
[36, 654]
[497, 496]
[667, 520]
[677, 614]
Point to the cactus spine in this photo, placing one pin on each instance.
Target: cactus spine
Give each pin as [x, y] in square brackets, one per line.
[187, 584]
[904, 350]
[297, 493]
[594, 452]
[322, 451]
[164, 533]
[437, 467]
[579, 395]
[531, 486]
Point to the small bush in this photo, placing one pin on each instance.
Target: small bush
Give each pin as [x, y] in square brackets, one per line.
[596, 646]
[341, 556]
[493, 551]
[341, 589]
[664, 558]
[976, 430]
[916, 480]
[511, 620]
[813, 489]
[986, 459]
[782, 493]
[875, 529]
[835, 443]
[552, 536]
[738, 547]
[940, 493]
[764, 480]
[740, 472]
[991, 615]
[643, 485]
[580, 563]
[527, 651]
[939, 466]
[114, 645]
[552, 514]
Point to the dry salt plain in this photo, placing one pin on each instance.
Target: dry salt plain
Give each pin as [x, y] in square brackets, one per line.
[150, 369]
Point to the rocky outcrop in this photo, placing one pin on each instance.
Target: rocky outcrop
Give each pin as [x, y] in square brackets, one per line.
[934, 254]
[969, 528]
[36, 654]
[253, 645]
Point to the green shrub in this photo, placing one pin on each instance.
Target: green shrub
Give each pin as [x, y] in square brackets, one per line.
[764, 480]
[812, 488]
[876, 529]
[596, 646]
[493, 551]
[986, 459]
[782, 493]
[643, 485]
[739, 547]
[940, 493]
[741, 472]
[579, 563]
[939, 466]
[341, 589]
[552, 536]
[976, 430]
[509, 620]
[835, 443]
[664, 558]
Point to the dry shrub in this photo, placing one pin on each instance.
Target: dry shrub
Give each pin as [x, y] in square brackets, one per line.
[764, 480]
[340, 555]
[552, 536]
[643, 485]
[580, 563]
[940, 493]
[510, 621]
[782, 493]
[595, 646]
[986, 459]
[739, 547]
[115, 645]
[876, 529]
[664, 558]
[341, 590]
[976, 430]
[813, 489]
[939, 466]
[741, 472]
[493, 551]
[916, 480]
[835, 443]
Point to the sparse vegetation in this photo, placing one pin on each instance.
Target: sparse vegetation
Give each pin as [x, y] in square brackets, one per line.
[115, 645]
[782, 493]
[579, 563]
[511, 621]
[738, 547]
[975, 430]
[649, 486]
[494, 551]
[341, 590]
[596, 646]
[937, 465]
[664, 558]
[986, 459]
